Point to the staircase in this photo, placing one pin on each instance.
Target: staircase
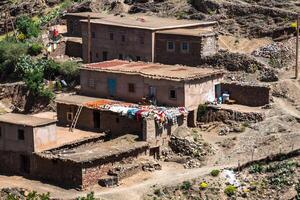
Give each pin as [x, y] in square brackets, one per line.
[74, 122]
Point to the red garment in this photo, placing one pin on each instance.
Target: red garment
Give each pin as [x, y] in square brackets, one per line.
[55, 33]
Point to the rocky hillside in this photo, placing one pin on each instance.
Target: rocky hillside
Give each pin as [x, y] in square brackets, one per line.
[251, 18]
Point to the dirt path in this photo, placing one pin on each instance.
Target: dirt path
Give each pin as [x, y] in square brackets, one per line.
[287, 108]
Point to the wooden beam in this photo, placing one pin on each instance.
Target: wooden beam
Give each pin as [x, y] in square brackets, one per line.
[297, 48]
[89, 40]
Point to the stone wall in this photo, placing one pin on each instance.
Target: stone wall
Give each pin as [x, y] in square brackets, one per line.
[65, 173]
[73, 48]
[198, 47]
[250, 95]
[10, 162]
[214, 114]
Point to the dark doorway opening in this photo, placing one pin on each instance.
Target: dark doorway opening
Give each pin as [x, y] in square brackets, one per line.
[25, 164]
[96, 116]
[154, 152]
[104, 55]
[192, 118]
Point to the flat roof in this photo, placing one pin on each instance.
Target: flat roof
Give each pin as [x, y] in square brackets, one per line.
[144, 21]
[98, 150]
[80, 100]
[85, 14]
[153, 70]
[189, 32]
[25, 120]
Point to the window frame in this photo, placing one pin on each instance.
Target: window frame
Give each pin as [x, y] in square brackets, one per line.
[91, 83]
[185, 50]
[175, 94]
[21, 134]
[131, 87]
[70, 114]
[168, 49]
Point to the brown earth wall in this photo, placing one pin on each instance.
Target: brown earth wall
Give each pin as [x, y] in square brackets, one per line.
[246, 94]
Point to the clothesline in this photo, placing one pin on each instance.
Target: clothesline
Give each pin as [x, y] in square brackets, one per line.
[162, 115]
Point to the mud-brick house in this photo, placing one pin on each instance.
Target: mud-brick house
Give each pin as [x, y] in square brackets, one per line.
[145, 38]
[163, 85]
[20, 136]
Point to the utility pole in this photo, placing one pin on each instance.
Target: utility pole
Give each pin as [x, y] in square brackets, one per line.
[89, 40]
[297, 48]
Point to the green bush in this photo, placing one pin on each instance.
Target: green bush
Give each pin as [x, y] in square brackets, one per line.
[256, 168]
[215, 172]
[32, 73]
[35, 49]
[27, 26]
[230, 190]
[10, 51]
[89, 196]
[186, 185]
[69, 70]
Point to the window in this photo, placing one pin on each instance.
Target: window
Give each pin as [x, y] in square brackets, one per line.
[173, 94]
[138, 58]
[117, 120]
[97, 55]
[91, 83]
[111, 36]
[184, 47]
[21, 135]
[93, 35]
[131, 87]
[120, 56]
[0, 132]
[70, 116]
[170, 46]
[123, 38]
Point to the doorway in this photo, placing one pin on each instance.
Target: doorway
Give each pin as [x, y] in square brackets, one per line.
[152, 94]
[112, 84]
[104, 55]
[25, 164]
[217, 91]
[96, 118]
[154, 152]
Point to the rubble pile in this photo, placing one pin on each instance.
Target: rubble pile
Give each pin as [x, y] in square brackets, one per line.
[278, 54]
[268, 75]
[189, 146]
[233, 62]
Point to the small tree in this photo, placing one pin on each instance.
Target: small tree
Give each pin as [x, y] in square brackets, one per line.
[27, 26]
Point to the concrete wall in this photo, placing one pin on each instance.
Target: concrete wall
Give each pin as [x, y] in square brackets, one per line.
[100, 87]
[198, 48]
[200, 91]
[138, 42]
[44, 136]
[247, 94]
